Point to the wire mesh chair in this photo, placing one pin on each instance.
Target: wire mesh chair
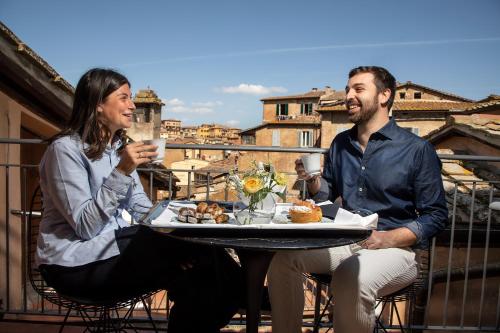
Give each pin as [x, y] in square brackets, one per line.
[407, 294]
[98, 316]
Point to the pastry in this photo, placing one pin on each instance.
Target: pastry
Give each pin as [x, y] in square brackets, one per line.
[202, 207]
[305, 212]
[204, 213]
[222, 218]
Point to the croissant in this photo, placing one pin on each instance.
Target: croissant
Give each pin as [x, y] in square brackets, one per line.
[305, 212]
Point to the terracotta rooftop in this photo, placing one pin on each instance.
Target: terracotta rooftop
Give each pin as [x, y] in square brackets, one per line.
[492, 103]
[486, 122]
[490, 98]
[35, 59]
[310, 94]
[223, 165]
[440, 92]
[411, 105]
[147, 96]
[332, 98]
[484, 126]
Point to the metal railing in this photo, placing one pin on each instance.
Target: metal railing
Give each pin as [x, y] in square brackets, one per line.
[463, 289]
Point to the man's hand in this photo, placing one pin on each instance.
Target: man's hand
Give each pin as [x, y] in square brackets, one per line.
[313, 182]
[134, 154]
[400, 237]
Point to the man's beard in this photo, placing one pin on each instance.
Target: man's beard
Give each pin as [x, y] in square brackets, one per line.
[366, 112]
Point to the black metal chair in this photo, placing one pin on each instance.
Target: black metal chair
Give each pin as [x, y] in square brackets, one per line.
[407, 294]
[98, 316]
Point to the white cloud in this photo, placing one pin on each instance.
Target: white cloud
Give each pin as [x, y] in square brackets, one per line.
[233, 122]
[176, 105]
[252, 89]
[207, 104]
[173, 102]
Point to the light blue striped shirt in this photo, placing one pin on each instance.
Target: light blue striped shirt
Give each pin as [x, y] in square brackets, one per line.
[83, 203]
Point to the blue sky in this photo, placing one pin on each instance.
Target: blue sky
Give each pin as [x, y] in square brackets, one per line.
[212, 61]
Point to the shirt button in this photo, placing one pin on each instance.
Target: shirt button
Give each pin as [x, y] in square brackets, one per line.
[360, 189]
[363, 167]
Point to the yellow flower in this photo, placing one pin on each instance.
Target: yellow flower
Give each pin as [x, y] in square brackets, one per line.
[252, 184]
[280, 178]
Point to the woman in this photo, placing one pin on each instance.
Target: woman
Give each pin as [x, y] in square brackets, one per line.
[85, 249]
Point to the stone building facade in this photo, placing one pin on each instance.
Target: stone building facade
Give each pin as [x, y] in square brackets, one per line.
[147, 116]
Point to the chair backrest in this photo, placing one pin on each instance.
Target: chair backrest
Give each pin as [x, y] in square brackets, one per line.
[33, 228]
[34, 218]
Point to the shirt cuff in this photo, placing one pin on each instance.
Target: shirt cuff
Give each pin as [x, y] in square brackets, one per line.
[416, 229]
[119, 183]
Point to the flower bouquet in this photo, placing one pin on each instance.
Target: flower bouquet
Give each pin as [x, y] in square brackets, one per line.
[258, 190]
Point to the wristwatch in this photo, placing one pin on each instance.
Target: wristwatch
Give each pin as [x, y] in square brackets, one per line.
[311, 180]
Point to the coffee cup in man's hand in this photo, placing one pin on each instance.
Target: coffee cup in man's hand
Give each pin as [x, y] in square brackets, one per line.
[312, 164]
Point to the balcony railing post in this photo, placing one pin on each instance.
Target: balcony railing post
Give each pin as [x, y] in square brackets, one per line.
[226, 189]
[467, 258]
[7, 239]
[189, 183]
[450, 256]
[208, 186]
[24, 237]
[151, 183]
[485, 260]
[170, 185]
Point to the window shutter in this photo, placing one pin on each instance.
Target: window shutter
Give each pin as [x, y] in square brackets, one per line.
[301, 108]
[299, 141]
[311, 139]
[276, 138]
[286, 109]
[277, 109]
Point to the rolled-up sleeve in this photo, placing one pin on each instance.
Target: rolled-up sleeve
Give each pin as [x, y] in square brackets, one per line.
[139, 204]
[430, 198]
[66, 180]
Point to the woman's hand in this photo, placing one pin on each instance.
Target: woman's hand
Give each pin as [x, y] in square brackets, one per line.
[134, 154]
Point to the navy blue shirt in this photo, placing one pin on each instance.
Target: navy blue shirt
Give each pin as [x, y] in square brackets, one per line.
[398, 177]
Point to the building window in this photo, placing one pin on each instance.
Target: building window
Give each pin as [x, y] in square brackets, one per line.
[417, 95]
[282, 109]
[276, 138]
[402, 95]
[305, 138]
[306, 109]
[248, 139]
[414, 130]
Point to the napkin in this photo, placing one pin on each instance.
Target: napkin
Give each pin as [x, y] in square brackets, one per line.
[345, 217]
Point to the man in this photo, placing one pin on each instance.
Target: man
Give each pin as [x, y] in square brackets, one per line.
[376, 166]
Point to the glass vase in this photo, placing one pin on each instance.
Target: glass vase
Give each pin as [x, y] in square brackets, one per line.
[262, 214]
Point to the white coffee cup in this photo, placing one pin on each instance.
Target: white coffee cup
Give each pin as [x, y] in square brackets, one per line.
[312, 164]
[161, 149]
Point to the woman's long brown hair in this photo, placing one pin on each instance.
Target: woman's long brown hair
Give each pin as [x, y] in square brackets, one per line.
[92, 89]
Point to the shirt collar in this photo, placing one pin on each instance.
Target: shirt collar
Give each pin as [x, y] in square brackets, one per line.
[389, 130]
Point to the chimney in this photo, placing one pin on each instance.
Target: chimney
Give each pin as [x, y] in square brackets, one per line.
[314, 89]
[328, 89]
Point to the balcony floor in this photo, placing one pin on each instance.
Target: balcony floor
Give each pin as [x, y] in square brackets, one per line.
[15, 327]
